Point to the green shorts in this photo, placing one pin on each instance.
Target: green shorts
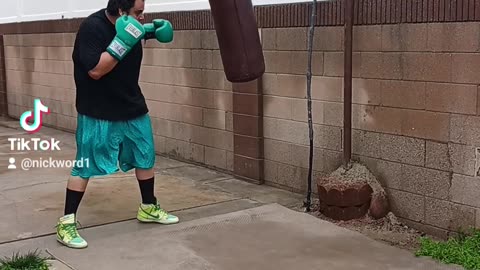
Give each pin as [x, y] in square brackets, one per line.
[104, 146]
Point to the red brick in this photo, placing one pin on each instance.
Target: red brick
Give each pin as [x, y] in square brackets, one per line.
[252, 87]
[247, 125]
[247, 104]
[248, 146]
[248, 168]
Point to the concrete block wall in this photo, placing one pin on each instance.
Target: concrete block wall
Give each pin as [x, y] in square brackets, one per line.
[40, 66]
[189, 99]
[416, 112]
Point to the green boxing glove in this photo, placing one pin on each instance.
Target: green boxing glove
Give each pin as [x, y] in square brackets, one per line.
[129, 33]
[160, 30]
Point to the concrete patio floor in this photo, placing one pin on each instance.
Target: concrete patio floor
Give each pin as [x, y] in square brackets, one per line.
[225, 223]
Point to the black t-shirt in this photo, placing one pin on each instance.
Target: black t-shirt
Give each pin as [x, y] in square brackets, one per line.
[117, 95]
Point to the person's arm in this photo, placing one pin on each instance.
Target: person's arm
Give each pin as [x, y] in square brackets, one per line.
[103, 67]
[93, 55]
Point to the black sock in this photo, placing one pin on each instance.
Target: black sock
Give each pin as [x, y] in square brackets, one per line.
[73, 201]
[147, 190]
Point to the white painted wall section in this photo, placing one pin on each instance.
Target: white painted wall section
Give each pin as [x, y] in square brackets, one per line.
[35, 10]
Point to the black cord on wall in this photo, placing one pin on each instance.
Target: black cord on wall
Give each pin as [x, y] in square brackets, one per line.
[308, 202]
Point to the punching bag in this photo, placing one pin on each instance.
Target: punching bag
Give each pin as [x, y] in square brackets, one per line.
[238, 39]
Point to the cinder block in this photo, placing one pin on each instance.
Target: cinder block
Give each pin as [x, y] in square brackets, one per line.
[54, 39]
[454, 98]
[392, 66]
[159, 144]
[292, 177]
[217, 62]
[465, 68]
[375, 118]
[478, 103]
[202, 59]
[426, 125]
[329, 38]
[333, 64]
[404, 37]
[292, 62]
[209, 39]
[424, 181]
[230, 160]
[213, 79]
[403, 94]
[59, 53]
[448, 215]
[223, 100]
[434, 67]
[214, 138]
[407, 205]
[214, 118]
[366, 38]
[327, 88]
[229, 121]
[278, 107]
[10, 40]
[192, 115]
[270, 170]
[22, 64]
[175, 148]
[195, 152]
[278, 151]
[332, 114]
[366, 91]
[453, 37]
[368, 65]
[465, 190]
[300, 113]
[291, 86]
[269, 38]
[188, 77]
[327, 137]
[437, 156]
[181, 58]
[206, 98]
[465, 129]
[12, 51]
[402, 149]
[291, 39]
[34, 52]
[462, 159]
[285, 130]
[389, 174]
[183, 39]
[366, 143]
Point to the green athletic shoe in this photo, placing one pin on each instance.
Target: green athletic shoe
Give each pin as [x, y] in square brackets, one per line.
[154, 213]
[67, 232]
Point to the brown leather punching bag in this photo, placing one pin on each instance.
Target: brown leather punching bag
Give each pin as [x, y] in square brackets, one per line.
[238, 39]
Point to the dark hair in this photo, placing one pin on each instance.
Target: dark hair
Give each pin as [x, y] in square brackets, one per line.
[124, 5]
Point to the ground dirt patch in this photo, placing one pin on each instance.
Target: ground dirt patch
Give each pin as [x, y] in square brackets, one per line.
[388, 229]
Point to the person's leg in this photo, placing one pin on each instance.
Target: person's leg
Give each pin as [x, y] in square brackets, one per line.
[138, 152]
[76, 187]
[97, 149]
[146, 181]
[67, 233]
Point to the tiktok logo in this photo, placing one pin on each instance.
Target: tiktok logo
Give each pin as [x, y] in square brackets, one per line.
[38, 110]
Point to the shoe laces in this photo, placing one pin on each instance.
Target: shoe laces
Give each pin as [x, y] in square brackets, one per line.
[70, 229]
[161, 211]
